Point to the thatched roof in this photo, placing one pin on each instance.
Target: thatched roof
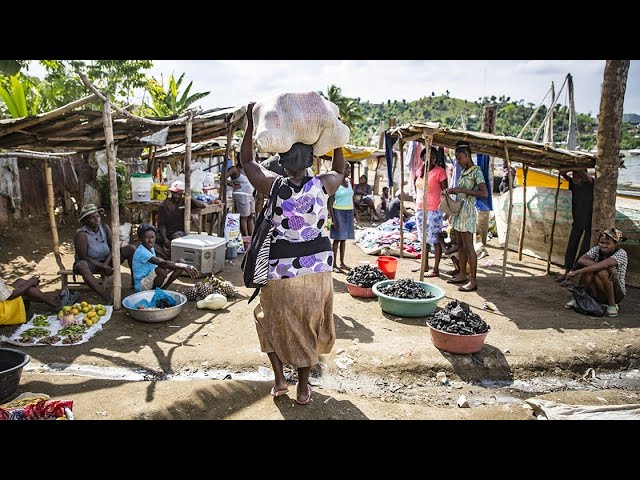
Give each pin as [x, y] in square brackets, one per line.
[525, 151]
[81, 130]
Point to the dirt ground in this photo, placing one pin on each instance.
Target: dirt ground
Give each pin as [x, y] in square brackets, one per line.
[386, 366]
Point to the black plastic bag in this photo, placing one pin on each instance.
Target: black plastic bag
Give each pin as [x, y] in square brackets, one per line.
[585, 303]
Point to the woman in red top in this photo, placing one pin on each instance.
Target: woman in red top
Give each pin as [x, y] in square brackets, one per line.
[437, 183]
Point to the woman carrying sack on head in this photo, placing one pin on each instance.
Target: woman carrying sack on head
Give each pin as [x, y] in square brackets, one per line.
[294, 320]
[471, 185]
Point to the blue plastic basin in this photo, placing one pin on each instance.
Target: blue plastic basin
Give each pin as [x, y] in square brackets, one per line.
[409, 307]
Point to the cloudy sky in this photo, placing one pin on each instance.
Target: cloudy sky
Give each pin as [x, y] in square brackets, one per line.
[236, 82]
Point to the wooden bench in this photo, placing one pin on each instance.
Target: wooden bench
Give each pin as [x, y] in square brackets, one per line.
[74, 281]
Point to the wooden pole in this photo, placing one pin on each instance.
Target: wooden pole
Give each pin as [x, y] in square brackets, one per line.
[401, 146]
[113, 199]
[506, 240]
[489, 114]
[525, 170]
[553, 225]
[52, 216]
[223, 179]
[376, 180]
[187, 176]
[425, 211]
[392, 124]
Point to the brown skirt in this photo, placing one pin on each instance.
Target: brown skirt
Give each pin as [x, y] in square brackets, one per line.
[295, 318]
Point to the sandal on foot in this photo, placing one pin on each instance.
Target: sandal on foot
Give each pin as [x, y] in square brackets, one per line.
[308, 400]
[73, 298]
[432, 274]
[463, 289]
[64, 297]
[278, 393]
[451, 280]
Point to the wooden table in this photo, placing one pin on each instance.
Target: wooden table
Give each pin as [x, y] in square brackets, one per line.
[211, 213]
[150, 208]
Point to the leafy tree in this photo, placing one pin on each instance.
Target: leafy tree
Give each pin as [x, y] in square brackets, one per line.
[166, 103]
[11, 67]
[117, 78]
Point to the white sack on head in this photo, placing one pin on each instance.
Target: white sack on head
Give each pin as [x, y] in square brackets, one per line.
[305, 117]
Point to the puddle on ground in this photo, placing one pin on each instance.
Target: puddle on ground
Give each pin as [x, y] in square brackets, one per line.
[404, 388]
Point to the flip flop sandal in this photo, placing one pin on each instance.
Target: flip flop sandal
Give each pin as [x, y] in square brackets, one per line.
[451, 280]
[308, 399]
[278, 393]
[472, 289]
[64, 297]
[73, 298]
[432, 274]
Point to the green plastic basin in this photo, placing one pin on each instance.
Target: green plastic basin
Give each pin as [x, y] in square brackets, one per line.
[409, 307]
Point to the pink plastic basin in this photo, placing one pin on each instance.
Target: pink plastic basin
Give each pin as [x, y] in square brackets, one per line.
[454, 343]
[357, 291]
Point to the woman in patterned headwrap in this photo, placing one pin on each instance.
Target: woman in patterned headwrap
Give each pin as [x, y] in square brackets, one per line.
[295, 317]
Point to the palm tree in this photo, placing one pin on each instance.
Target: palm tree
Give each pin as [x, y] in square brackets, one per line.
[348, 108]
[168, 103]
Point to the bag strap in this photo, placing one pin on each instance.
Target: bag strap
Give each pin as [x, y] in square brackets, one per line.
[273, 197]
[267, 214]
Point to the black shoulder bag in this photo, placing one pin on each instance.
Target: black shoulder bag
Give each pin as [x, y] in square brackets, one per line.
[255, 265]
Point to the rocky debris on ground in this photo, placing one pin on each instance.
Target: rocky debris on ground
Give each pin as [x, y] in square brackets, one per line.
[458, 318]
[365, 276]
[405, 289]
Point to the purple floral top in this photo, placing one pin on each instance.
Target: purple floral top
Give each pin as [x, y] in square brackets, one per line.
[299, 216]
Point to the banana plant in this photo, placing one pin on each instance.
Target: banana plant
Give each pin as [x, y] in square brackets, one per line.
[15, 99]
[170, 102]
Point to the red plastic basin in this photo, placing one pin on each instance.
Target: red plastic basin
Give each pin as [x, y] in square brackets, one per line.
[454, 343]
[361, 292]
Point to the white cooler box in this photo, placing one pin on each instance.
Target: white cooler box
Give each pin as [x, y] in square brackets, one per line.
[204, 252]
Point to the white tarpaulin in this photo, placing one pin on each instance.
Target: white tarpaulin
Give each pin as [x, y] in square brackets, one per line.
[548, 410]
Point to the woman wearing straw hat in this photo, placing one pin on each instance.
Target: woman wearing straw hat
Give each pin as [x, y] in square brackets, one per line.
[93, 243]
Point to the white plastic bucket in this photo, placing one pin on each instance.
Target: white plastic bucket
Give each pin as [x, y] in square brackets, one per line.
[141, 185]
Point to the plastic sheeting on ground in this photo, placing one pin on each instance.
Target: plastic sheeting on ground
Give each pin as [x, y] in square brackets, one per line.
[548, 410]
